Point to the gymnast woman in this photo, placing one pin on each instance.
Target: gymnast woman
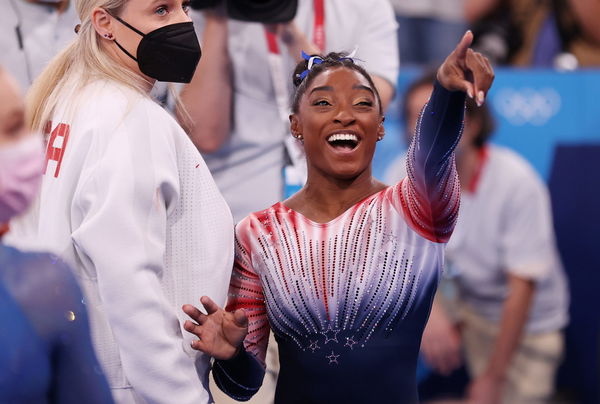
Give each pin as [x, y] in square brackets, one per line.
[344, 271]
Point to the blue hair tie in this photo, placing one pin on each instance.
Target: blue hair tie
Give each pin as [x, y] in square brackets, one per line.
[312, 60]
[317, 60]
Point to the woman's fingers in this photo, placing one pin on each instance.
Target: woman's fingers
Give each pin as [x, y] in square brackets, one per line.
[488, 65]
[460, 52]
[240, 318]
[193, 328]
[467, 87]
[194, 313]
[210, 306]
[467, 70]
[200, 345]
[482, 76]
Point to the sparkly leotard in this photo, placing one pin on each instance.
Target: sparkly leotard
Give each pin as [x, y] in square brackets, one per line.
[348, 299]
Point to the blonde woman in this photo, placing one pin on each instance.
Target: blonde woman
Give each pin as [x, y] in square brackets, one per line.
[127, 199]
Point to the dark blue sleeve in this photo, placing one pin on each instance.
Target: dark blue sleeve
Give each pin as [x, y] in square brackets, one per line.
[430, 194]
[51, 300]
[240, 377]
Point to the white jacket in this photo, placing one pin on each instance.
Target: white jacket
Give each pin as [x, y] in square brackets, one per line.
[135, 211]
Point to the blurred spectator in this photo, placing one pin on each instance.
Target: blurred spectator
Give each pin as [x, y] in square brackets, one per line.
[32, 32]
[547, 33]
[240, 94]
[580, 29]
[45, 347]
[511, 301]
[428, 29]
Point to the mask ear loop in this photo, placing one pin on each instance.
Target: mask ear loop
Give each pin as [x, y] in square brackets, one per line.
[137, 31]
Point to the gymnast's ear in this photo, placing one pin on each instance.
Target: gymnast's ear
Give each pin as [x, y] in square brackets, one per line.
[381, 129]
[295, 125]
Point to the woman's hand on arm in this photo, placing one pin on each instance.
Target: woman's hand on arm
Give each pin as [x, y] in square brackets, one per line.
[220, 333]
[466, 70]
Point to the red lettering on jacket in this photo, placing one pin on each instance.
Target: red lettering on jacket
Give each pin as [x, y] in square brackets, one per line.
[57, 144]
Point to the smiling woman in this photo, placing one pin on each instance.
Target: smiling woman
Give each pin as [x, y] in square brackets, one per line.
[338, 117]
[126, 198]
[344, 271]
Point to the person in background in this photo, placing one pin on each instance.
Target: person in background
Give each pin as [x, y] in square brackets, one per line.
[239, 97]
[428, 29]
[32, 32]
[544, 33]
[46, 353]
[126, 199]
[512, 297]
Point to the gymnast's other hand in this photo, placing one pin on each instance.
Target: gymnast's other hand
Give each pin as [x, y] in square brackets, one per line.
[220, 333]
[467, 70]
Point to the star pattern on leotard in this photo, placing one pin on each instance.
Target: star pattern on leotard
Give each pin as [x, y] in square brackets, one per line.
[350, 342]
[331, 335]
[313, 346]
[389, 238]
[333, 358]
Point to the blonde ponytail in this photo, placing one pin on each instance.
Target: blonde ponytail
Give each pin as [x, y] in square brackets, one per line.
[42, 88]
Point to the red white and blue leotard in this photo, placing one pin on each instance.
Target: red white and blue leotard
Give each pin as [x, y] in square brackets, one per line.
[348, 299]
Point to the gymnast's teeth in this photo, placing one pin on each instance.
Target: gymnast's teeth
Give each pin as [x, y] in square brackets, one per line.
[342, 136]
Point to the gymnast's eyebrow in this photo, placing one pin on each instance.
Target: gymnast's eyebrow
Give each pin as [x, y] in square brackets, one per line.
[322, 88]
[363, 87]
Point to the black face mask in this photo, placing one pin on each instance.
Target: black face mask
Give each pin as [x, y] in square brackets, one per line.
[170, 53]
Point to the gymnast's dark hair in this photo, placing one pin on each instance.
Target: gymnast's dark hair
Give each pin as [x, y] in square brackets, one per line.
[330, 61]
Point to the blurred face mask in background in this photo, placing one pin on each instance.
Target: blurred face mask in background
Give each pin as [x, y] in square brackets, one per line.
[21, 165]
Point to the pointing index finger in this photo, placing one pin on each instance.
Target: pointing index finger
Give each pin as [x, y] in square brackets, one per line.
[463, 45]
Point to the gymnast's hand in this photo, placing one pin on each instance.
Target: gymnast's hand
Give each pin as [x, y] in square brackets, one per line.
[220, 333]
[467, 70]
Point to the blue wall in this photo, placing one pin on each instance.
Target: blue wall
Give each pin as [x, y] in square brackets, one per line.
[535, 110]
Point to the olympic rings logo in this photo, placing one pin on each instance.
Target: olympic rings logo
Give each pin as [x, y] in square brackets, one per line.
[527, 105]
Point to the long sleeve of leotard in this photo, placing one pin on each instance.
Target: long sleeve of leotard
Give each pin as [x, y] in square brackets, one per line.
[242, 376]
[430, 194]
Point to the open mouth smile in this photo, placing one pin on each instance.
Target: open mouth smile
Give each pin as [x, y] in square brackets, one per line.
[343, 142]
